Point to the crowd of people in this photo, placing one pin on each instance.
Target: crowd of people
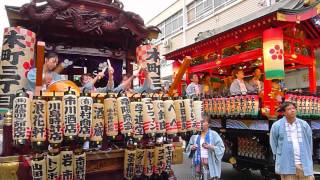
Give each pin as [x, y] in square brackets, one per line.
[231, 85]
[51, 70]
[290, 141]
[235, 84]
[290, 137]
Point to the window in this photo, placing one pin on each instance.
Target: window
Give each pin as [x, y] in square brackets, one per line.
[161, 27]
[198, 10]
[219, 4]
[171, 25]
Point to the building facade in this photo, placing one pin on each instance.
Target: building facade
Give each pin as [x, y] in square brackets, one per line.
[187, 21]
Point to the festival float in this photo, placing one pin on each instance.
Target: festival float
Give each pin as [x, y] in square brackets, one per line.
[278, 39]
[62, 133]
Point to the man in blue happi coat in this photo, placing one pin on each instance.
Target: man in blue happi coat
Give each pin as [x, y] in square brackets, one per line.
[206, 151]
[291, 143]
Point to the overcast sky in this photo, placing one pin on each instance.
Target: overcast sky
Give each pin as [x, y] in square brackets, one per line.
[147, 9]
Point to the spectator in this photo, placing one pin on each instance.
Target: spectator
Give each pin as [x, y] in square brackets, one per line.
[255, 85]
[206, 151]
[193, 88]
[238, 86]
[291, 143]
[207, 85]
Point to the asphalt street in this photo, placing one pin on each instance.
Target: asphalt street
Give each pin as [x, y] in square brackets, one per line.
[183, 172]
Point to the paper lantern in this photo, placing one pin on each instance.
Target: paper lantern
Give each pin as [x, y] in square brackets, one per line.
[168, 155]
[180, 109]
[139, 161]
[38, 120]
[123, 109]
[190, 119]
[54, 121]
[148, 162]
[159, 116]
[38, 168]
[21, 123]
[149, 124]
[159, 159]
[85, 116]
[67, 161]
[170, 117]
[273, 54]
[69, 115]
[97, 122]
[129, 161]
[111, 117]
[198, 111]
[53, 166]
[79, 166]
[136, 109]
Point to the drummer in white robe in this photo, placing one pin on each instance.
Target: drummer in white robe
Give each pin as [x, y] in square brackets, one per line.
[51, 71]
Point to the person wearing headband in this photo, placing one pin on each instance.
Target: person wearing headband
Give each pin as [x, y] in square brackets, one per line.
[51, 71]
[126, 84]
[88, 81]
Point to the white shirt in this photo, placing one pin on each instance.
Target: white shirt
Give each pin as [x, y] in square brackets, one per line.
[293, 129]
[258, 84]
[197, 88]
[243, 87]
[203, 151]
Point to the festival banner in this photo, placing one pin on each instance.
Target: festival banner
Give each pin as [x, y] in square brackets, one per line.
[148, 56]
[16, 61]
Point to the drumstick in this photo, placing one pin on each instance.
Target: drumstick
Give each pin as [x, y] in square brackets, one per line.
[137, 73]
[109, 64]
[104, 70]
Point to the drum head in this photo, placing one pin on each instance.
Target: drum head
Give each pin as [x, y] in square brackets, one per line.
[63, 86]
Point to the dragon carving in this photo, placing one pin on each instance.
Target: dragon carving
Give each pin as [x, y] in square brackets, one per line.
[44, 12]
[85, 20]
[91, 21]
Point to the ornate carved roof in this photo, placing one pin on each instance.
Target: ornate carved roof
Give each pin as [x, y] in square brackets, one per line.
[92, 22]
